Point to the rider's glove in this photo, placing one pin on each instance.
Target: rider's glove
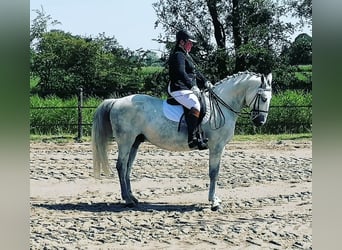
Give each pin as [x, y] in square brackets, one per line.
[208, 85]
[196, 90]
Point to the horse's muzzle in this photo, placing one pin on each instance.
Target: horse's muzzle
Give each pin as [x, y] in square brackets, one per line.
[259, 120]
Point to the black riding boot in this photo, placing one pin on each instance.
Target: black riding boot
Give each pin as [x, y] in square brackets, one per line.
[191, 119]
[194, 137]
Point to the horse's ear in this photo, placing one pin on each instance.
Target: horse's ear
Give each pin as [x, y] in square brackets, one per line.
[269, 78]
[263, 83]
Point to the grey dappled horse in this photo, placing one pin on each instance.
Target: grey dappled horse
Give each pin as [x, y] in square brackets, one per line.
[137, 118]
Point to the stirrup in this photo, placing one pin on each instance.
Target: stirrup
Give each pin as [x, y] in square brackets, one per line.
[202, 141]
[198, 143]
[202, 145]
[193, 143]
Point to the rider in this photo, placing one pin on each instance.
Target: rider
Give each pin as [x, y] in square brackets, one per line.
[185, 82]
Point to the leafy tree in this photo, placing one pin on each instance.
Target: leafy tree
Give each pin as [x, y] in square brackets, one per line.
[290, 72]
[154, 83]
[232, 35]
[65, 62]
[193, 16]
[40, 25]
[302, 9]
[300, 51]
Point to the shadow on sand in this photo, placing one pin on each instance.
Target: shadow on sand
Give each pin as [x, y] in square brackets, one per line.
[120, 207]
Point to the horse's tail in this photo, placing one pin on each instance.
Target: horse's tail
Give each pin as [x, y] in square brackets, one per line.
[101, 132]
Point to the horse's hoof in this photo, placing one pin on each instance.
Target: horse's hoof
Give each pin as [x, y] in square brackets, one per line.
[215, 205]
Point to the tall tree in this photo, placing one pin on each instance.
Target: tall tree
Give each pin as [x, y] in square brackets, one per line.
[236, 20]
[40, 25]
[220, 36]
[194, 16]
[302, 9]
[219, 32]
[300, 51]
[249, 32]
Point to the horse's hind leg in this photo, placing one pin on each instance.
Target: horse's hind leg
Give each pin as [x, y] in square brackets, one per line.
[121, 166]
[132, 155]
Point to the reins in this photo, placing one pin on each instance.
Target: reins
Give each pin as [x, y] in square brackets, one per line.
[217, 119]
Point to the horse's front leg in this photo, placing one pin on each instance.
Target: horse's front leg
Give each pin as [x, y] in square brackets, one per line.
[214, 168]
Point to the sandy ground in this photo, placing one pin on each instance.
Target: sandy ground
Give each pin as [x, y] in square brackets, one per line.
[266, 189]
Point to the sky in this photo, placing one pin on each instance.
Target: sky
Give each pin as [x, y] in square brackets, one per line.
[131, 22]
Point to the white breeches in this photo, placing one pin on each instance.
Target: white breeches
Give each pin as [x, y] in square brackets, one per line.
[187, 98]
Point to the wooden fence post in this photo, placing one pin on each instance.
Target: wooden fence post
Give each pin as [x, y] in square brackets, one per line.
[80, 120]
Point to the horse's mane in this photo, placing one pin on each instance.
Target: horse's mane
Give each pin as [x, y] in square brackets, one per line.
[236, 75]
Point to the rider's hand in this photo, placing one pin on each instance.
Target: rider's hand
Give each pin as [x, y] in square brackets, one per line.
[208, 85]
[196, 90]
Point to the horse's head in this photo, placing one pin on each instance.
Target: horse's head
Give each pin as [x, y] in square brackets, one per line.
[259, 100]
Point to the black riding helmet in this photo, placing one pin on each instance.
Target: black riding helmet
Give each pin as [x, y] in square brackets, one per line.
[184, 35]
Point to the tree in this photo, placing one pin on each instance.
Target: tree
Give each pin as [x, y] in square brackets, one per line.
[64, 62]
[248, 34]
[302, 9]
[300, 51]
[40, 25]
[193, 16]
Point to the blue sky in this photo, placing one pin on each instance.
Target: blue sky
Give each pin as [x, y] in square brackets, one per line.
[131, 22]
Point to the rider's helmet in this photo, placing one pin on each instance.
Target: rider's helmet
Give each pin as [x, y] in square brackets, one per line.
[184, 35]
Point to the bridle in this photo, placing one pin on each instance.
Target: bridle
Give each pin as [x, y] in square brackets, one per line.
[256, 99]
[215, 109]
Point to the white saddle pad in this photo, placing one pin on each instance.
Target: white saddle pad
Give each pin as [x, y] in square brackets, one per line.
[174, 112]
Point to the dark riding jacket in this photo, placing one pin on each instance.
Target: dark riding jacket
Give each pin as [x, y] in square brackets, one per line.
[182, 72]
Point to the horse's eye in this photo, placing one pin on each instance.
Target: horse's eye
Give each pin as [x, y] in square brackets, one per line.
[264, 98]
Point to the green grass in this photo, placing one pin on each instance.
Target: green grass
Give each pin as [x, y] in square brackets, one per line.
[304, 72]
[62, 138]
[271, 137]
